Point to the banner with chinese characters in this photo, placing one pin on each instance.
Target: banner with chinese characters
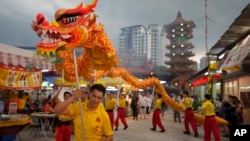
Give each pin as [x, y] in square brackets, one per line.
[234, 57]
[20, 79]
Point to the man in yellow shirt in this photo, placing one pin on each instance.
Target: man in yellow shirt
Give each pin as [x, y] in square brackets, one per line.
[156, 120]
[189, 115]
[110, 105]
[95, 119]
[210, 123]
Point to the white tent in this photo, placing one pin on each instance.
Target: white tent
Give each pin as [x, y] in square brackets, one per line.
[14, 56]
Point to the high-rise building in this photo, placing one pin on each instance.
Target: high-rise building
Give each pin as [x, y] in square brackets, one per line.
[203, 63]
[146, 42]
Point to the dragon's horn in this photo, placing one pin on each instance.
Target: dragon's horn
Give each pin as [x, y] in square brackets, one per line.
[79, 6]
[90, 7]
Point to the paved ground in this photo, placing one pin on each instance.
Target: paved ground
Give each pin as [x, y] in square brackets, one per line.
[139, 131]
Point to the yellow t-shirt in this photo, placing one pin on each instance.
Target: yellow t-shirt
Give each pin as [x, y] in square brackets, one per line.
[209, 108]
[96, 123]
[66, 117]
[110, 103]
[187, 102]
[25, 97]
[158, 104]
[122, 103]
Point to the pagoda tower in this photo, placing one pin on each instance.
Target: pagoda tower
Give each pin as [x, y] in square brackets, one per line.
[180, 48]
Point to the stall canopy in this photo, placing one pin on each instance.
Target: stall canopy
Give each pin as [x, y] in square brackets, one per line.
[20, 69]
[17, 57]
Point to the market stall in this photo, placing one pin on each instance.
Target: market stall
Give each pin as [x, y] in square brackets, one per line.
[21, 73]
[20, 69]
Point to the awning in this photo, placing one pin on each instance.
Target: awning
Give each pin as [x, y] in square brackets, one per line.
[233, 58]
[197, 75]
[204, 79]
[17, 57]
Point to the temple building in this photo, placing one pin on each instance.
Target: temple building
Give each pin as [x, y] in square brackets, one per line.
[179, 33]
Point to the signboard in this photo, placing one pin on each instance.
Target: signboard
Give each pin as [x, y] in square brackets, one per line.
[14, 79]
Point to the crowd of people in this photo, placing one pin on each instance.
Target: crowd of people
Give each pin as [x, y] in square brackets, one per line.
[229, 108]
[99, 118]
[103, 111]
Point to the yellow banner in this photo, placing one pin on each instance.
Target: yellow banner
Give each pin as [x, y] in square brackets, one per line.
[214, 66]
[20, 79]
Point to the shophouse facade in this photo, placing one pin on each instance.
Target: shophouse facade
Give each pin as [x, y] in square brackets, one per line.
[229, 74]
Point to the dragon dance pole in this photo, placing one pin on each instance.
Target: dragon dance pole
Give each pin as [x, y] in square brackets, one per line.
[119, 89]
[79, 99]
[63, 77]
[153, 91]
[95, 76]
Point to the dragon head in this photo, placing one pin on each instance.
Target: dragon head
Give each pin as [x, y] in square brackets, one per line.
[68, 31]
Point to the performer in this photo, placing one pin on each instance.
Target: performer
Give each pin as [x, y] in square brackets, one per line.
[121, 113]
[96, 121]
[63, 125]
[189, 115]
[85, 94]
[156, 115]
[210, 123]
[110, 105]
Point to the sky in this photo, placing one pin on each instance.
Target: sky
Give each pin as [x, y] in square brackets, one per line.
[16, 16]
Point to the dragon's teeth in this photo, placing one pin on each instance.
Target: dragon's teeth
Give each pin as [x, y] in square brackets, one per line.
[66, 36]
[46, 40]
[44, 31]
